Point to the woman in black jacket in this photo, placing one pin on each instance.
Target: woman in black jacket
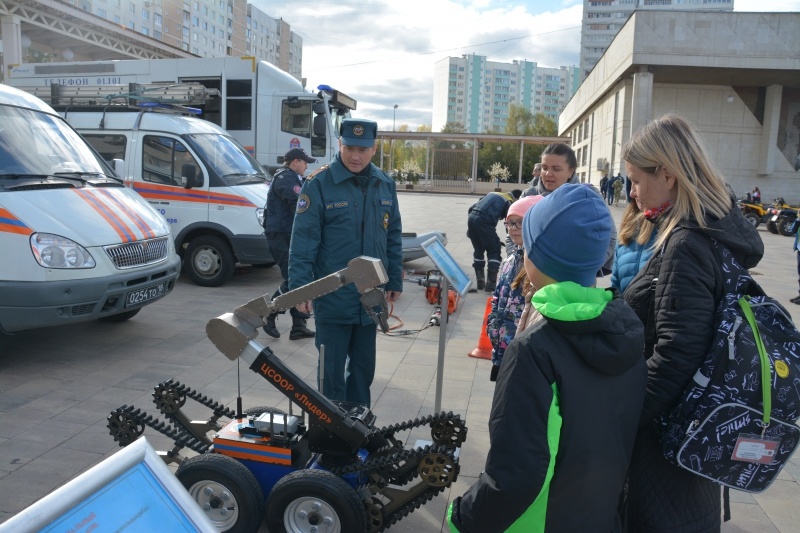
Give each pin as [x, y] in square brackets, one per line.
[685, 196]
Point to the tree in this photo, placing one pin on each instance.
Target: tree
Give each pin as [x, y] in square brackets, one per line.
[453, 127]
[520, 121]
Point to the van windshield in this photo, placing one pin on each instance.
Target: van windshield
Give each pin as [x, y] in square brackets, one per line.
[37, 144]
[227, 159]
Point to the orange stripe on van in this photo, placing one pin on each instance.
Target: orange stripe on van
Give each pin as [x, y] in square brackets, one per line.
[124, 232]
[11, 224]
[176, 194]
[146, 230]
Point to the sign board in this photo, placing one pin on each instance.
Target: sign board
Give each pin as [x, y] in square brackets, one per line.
[133, 490]
[447, 265]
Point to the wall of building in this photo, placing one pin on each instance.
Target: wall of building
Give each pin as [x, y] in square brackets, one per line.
[602, 19]
[730, 132]
[750, 124]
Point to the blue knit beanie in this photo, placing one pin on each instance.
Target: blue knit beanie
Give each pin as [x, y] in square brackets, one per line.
[566, 235]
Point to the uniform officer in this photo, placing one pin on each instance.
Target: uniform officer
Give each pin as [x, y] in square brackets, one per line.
[346, 210]
[278, 219]
[482, 221]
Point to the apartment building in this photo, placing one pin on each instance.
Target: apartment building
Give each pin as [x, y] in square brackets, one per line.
[477, 92]
[204, 28]
[602, 19]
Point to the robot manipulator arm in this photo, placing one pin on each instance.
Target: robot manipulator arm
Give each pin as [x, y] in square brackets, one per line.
[232, 332]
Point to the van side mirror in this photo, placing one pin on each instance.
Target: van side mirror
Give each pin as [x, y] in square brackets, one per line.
[320, 126]
[319, 107]
[119, 168]
[189, 177]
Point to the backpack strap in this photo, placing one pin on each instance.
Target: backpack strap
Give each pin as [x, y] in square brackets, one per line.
[766, 374]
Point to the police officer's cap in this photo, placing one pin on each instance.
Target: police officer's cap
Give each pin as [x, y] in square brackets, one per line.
[298, 153]
[358, 132]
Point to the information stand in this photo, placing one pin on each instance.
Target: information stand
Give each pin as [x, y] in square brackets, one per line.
[452, 274]
[133, 490]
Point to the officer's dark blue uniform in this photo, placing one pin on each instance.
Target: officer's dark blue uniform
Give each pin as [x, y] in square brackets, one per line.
[278, 220]
[482, 232]
[342, 215]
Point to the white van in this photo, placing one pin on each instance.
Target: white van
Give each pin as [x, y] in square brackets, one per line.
[76, 244]
[204, 183]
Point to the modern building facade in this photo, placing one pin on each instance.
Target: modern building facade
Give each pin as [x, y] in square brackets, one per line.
[476, 92]
[602, 19]
[83, 30]
[735, 76]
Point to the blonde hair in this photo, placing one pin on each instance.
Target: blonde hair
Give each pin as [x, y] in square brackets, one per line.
[634, 227]
[670, 142]
[521, 279]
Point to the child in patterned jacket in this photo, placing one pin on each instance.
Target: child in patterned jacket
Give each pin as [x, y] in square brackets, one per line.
[508, 299]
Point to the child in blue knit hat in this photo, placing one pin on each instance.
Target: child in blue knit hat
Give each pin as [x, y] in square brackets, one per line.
[570, 389]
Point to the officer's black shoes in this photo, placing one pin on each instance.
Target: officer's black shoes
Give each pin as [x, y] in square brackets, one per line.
[270, 329]
[479, 279]
[796, 300]
[299, 330]
[491, 281]
[301, 333]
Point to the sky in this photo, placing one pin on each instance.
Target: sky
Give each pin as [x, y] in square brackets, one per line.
[382, 52]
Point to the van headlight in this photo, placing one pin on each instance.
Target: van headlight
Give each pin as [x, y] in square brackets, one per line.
[260, 216]
[54, 251]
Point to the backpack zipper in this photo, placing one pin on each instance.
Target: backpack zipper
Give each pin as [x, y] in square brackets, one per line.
[732, 338]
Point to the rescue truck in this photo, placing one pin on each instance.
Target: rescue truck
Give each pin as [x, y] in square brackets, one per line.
[77, 244]
[264, 108]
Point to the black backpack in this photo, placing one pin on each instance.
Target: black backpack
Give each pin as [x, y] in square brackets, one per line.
[736, 421]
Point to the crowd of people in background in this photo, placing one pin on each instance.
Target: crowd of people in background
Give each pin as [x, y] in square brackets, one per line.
[611, 189]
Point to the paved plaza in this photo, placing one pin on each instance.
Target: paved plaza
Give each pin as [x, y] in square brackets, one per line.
[58, 385]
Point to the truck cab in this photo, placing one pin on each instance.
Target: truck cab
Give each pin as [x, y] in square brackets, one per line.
[77, 244]
[200, 179]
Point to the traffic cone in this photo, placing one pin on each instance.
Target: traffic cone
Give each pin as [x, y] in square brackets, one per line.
[484, 349]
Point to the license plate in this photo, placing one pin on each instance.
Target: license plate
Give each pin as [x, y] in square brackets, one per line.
[144, 295]
[774, 218]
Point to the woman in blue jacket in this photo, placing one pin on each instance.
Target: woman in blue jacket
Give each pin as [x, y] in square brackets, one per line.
[634, 247]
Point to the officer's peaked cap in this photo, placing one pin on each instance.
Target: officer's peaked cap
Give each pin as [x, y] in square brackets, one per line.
[358, 132]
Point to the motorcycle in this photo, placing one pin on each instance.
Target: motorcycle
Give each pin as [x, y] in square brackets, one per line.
[773, 214]
[784, 221]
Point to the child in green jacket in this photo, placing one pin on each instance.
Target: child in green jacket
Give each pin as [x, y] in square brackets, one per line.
[569, 391]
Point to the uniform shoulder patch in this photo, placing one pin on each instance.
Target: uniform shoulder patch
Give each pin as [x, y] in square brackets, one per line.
[320, 169]
[303, 203]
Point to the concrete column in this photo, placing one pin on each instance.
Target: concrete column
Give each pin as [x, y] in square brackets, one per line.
[642, 99]
[769, 130]
[12, 40]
